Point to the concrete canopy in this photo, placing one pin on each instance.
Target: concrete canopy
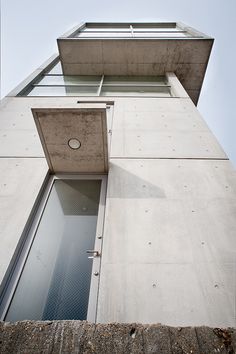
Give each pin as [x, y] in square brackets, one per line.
[186, 56]
[74, 140]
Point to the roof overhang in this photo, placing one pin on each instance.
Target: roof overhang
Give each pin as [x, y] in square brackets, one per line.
[74, 140]
[186, 57]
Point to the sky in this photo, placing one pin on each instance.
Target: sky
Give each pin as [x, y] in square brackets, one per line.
[29, 30]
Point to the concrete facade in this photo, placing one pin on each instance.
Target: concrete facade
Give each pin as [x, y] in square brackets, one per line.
[169, 241]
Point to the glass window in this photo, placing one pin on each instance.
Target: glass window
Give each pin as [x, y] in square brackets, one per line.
[106, 29]
[55, 281]
[94, 85]
[71, 80]
[137, 30]
[107, 34]
[57, 69]
[134, 80]
[155, 29]
[64, 91]
[160, 34]
[135, 91]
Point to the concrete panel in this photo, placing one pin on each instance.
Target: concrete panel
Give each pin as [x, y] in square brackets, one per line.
[161, 129]
[21, 180]
[86, 126]
[169, 229]
[167, 294]
[20, 142]
[86, 69]
[86, 52]
[174, 51]
[194, 95]
[169, 144]
[139, 104]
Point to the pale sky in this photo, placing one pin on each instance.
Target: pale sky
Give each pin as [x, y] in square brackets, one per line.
[30, 28]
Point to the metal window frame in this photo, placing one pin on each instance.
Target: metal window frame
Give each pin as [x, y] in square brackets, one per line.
[74, 32]
[100, 87]
[45, 71]
[26, 243]
[131, 28]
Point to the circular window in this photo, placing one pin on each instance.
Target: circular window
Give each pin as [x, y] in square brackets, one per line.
[74, 143]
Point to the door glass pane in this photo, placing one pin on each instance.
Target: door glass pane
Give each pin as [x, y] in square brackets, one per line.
[55, 281]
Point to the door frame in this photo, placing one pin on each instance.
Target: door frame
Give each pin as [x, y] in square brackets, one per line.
[27, 240]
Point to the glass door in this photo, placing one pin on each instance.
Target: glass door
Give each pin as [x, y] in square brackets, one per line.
[60, 275]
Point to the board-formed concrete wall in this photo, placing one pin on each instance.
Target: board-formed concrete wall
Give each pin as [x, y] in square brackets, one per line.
[77, 337]
[169, 234]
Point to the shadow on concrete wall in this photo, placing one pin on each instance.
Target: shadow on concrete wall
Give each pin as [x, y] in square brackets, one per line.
[128, 185]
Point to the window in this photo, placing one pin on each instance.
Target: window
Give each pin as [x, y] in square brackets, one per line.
[131, 30]
[58, 270]
[54, 83]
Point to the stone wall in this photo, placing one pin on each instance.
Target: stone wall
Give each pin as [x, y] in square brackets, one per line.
[82, 337]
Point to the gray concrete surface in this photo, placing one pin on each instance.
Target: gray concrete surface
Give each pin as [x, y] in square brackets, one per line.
[21, 180]
[169, 238]
[188, 58]
[161, 128]
[75, 337]
[87, 125]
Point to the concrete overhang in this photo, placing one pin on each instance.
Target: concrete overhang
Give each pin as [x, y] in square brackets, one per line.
[74, 139]
[187, 56]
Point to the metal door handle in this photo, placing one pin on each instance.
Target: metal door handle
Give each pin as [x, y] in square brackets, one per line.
[95, 253]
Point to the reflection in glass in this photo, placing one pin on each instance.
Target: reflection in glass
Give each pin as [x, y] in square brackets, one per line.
[64, 91]
[134, 80]
[55, 281]
[135, 91]
[104, 34]
[71, 80]
[106, 29]
[57, 69]
[155, 29]
[161, 34]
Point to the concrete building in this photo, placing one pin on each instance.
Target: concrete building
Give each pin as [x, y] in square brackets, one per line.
[105, 155]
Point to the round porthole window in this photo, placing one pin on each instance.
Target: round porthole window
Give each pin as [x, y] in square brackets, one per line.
[74, 143]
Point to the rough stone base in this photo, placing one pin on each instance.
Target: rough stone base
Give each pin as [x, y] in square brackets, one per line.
[82, 337]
